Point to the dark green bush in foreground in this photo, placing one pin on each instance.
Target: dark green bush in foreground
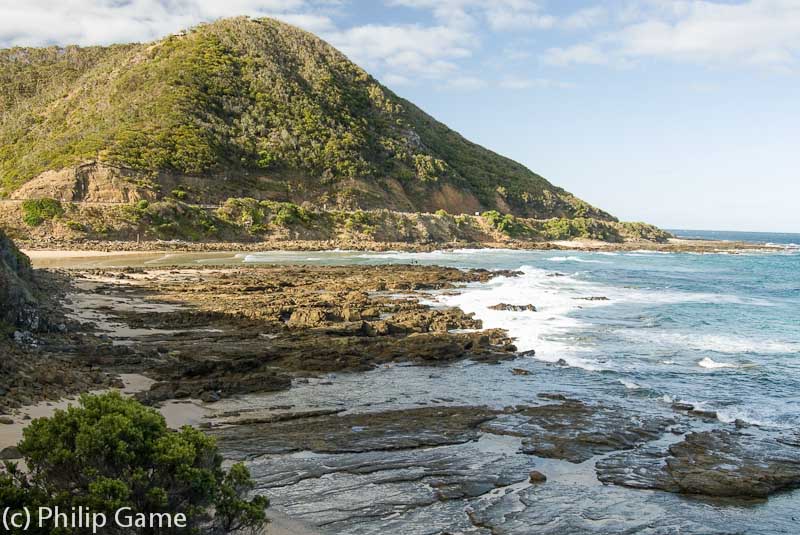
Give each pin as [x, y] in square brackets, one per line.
[37, 211]
[112, 452]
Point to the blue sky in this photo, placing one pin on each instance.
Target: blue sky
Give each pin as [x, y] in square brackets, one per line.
[682, 113]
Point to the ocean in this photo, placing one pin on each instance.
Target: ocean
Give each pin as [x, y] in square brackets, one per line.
[788, 239]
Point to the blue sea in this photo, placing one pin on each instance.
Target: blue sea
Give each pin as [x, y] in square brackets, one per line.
[764, 238]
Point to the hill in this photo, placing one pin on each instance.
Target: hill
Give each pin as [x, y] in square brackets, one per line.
[242, 108]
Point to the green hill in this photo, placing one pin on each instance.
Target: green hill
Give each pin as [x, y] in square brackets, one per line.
[242, 108]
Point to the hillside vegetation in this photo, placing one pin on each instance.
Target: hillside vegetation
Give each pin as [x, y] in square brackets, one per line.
[253, 220]
[246, 107]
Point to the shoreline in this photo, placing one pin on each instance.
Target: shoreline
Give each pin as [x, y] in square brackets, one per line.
[43, 255]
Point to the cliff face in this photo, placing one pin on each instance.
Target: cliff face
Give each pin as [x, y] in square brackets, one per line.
[17, 303]
[242, 108]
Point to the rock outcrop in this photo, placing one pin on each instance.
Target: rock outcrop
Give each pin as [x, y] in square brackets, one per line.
[576, 431]
[17, 302]
[711, 463]
[514, 308]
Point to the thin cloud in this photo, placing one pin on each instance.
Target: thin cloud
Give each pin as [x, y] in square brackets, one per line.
[98, 22]
[405, 50]
[576, 54]
[466, 83]
[751, 33]
[516, 83]
[498, 14]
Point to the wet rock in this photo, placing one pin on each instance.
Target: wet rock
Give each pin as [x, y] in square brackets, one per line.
[513, 308]
[566, 509]
[712, 463]
[592, 298]
[520, 371]
[210, 396]
[7, 420]
[678, 406]
[707, 415]
[537, 477]
[553, 396]
[575, 432]
[381, 431]
[412, 491]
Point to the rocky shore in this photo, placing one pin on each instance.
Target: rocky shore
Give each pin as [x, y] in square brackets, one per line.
[329, 380]
[675, 245]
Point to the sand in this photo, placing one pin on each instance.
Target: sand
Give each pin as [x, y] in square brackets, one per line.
[177, 413]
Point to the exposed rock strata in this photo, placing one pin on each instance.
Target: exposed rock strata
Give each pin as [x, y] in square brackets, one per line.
[712, 463]
[575, 431]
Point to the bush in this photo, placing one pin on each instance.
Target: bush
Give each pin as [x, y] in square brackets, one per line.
[112, 452]
[180, 194]
[37, 211]
[287, 214]
[507, 224]
[76, 226]
[359, 221]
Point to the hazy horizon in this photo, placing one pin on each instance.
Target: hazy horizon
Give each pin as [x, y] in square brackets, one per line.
[678, 113]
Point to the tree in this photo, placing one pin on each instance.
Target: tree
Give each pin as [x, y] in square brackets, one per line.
[112, 452]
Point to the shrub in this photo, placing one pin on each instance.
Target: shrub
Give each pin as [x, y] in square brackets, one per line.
[37, 211]
[112, 452]
[180, 194]
[76, 226]
[287, 214]
[507, 224]
[359, 221]
[142, 204]
[441, 212]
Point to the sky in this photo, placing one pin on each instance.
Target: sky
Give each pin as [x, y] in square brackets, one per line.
[681, 113]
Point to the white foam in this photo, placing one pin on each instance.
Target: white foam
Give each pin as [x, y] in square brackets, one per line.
[548, 329]
[630, 385]
[574, 259]
[711, 364]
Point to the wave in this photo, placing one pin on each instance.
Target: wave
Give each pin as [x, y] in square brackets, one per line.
[574, 259]
[729, 415]
[783, 245]
[716, 343]
[548, 330]
[711, 364]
